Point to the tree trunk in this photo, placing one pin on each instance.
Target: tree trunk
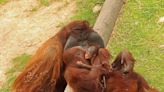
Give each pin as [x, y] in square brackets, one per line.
[106, 21]
[107, 18]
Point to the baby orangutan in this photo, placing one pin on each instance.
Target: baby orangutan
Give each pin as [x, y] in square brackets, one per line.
[124, 64]
[79, 74]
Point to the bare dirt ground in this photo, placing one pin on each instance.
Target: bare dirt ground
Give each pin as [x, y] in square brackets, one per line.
[26, 24]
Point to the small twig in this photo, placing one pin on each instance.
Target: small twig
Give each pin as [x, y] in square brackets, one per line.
[104, 81]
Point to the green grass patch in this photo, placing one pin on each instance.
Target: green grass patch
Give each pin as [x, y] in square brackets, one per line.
[17, 65]
[138, 30]
[3, 1]
[84, 11]
[45, 2]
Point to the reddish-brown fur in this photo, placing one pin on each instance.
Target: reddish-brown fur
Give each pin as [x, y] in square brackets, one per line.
[44, 72]
[124, 64]
[79, 78]
[115, 82]
[82, 79]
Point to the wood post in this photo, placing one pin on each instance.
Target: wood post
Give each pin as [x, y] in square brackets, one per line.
[107, 18]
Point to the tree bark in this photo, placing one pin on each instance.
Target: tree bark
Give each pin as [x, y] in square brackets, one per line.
[107, 18]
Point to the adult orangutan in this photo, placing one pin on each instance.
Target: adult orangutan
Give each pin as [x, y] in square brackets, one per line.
[44, 72]
[124, 63]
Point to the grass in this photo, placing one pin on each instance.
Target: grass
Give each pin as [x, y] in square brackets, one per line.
[84, 11]
[45, 2]
[3, 1]
[17, 65]
[137, 30]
